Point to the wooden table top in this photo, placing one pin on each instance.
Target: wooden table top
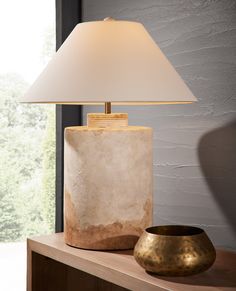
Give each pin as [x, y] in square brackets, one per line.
[120, 267]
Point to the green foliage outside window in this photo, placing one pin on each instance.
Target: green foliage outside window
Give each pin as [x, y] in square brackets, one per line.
[27, 160]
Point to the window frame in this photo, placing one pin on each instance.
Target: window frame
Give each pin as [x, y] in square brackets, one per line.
[68, 14]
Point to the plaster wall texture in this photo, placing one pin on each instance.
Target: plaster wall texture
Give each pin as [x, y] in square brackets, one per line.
[194, 145]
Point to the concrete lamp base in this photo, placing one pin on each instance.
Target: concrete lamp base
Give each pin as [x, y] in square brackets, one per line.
[107, 183]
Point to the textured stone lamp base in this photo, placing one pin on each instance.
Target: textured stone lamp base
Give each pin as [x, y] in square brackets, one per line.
[108, 186]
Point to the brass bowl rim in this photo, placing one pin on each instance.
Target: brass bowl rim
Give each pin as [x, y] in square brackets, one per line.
[177, 230]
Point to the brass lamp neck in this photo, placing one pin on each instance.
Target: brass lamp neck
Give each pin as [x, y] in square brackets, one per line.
[108, 107]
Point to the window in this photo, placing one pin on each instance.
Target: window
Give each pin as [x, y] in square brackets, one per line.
[27, 134]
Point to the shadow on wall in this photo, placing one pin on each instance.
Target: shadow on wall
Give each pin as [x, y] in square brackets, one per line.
[217, 155]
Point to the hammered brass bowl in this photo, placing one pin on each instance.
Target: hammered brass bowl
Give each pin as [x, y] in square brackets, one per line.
[174, 250]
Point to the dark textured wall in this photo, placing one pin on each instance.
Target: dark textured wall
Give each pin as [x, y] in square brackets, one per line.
[194, 145]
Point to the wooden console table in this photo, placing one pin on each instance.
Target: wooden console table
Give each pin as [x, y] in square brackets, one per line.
[54, 266]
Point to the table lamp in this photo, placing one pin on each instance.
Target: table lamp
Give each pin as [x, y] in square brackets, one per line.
[108, 164]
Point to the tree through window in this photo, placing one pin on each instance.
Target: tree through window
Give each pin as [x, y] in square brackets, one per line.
[27, 132]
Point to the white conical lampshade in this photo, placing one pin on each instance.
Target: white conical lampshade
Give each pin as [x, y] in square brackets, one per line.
[109, 61]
